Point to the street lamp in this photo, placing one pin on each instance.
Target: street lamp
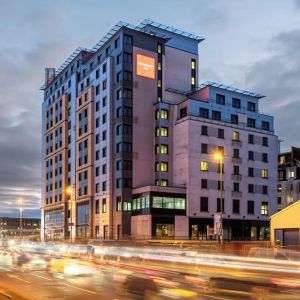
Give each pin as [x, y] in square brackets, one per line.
[20, 202]
[70, 195]
[219, 156]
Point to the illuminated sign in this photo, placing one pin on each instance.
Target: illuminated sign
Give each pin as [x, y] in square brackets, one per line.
[145, 66]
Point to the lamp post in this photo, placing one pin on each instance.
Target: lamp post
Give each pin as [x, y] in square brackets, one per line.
[20, 202]
[70, 200]
[219, 156]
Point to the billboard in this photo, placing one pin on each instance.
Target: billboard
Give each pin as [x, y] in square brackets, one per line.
[218, 224]
[145, 66]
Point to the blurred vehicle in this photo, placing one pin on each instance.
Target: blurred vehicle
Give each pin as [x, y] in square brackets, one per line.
[65, 267]
[21, 259]
[139, 287]
[274, 253]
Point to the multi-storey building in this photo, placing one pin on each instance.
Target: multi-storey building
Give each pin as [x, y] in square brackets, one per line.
[288, 177]
[128, 137]
[11, 227]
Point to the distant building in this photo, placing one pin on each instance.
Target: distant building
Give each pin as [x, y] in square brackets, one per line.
[288, 178]
[128, 142]
[11, 227]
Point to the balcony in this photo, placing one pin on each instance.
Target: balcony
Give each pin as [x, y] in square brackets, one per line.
[236, 143]
[236, 177]
[236, 160]
[236, 194]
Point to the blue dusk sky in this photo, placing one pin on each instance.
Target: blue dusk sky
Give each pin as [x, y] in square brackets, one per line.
[250, 44]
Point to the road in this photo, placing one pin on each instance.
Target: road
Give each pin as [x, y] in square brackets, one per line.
[128, 277]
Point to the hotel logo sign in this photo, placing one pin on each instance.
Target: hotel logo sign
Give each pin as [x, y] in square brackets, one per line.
[145, 66]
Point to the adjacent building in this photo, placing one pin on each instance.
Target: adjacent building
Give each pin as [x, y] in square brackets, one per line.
[288, 177]
[128, 141]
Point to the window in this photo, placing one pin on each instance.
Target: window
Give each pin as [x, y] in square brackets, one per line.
[204, 148]
[220, 99]
[236, 103]
[97, 73]
[119, 203]
[236, 136]
[265, 141]
[250, 139]
[278, 200]
[220, 133]
[204, 166]
[161, 166]
[250, 188]
[162, 131]
[216, 115]
[236, 170]
[204, 204]
[97, 89]
[204, 130]
[250, 207]
[265, 189]
[264, 208]
[104, 83]
[236, 153]
[220, 205]
[119, 58]
[265, 157]
[127, 39]
[236, 187]
[204, 183]
[193, 64]
[204, 113]
[117, 43]
[104, 205]
[250, 155]
[251, 122]
[104, 152]
[162, 149]
[251, 106]
[234, 119]
[104, 186]
[104, 68]
[163, 182]
[183, 112]
[97, 207]
[265, 125]
[104, 169]
[235, 206]
[250, 172]
[159, 48]
[127, 57]
[264, 173]
[162, 114]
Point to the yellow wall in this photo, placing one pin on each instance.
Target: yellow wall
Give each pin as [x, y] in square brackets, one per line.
[287, 218]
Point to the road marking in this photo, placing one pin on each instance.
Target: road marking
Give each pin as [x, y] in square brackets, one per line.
[18, 278]
[76, 287]
[49, 279]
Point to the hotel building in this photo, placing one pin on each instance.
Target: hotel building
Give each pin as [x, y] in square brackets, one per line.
[128, 142]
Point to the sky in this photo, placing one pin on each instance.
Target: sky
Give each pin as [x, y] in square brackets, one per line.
[250, 44]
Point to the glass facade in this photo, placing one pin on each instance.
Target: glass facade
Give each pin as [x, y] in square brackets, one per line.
[82, 220]
[54, 218]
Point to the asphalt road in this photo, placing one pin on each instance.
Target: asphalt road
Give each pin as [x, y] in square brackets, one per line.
[128, 278]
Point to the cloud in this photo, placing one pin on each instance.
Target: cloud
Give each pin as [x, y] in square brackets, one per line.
[278, 78]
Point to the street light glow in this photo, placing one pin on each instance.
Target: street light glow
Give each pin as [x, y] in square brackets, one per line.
[218, 155]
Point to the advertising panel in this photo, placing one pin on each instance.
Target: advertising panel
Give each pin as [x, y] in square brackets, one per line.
[145, 66]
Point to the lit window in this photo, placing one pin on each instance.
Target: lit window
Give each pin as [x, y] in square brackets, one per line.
[159, 48]
[162, 114]
[264, 208]
[159, 66]
[193, 80]
[163, 182]
[163, 131]
[193, 64]
[236, 136]
[161, 167]
[158, 83]
[161, 149]
[264, 173]
[282, 160]
[292, 174]
[204, 166]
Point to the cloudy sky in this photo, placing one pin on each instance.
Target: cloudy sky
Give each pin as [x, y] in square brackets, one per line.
[251, 44]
